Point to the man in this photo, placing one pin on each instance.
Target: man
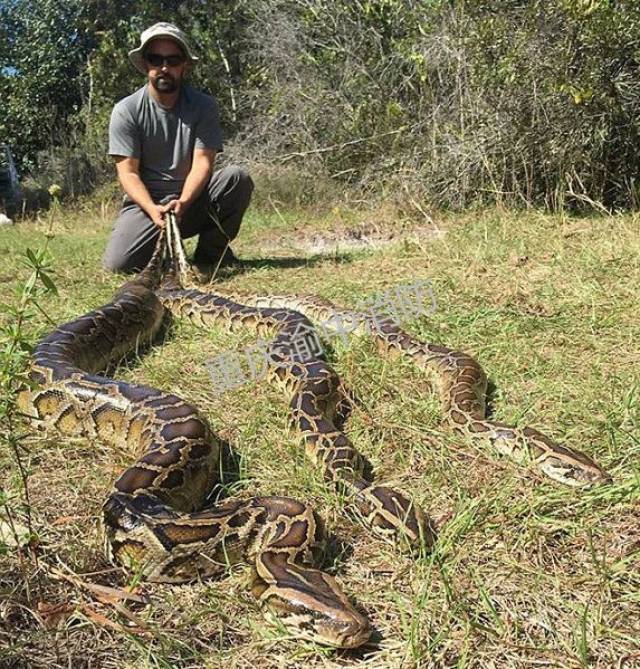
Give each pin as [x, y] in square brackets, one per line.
[164, 139]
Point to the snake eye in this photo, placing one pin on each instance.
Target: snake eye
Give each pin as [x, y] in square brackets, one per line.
[117, 515]
[560, 471]
[592, 476]
[128, 521]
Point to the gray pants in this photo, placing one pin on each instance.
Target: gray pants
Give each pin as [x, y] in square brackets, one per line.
[215, 216]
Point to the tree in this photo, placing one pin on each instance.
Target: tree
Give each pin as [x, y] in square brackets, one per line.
[42, 70]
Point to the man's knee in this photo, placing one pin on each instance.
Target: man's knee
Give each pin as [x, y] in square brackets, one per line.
[235, 180]
[236, 175]
[132, 241]
[243, 179]
[116, 263]
[118, 260]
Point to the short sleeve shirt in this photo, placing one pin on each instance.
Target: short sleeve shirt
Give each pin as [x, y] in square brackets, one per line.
[164, 139]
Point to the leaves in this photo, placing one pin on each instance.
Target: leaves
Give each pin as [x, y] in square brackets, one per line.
[43, 70]
[15, 345]
[531, 101]
[14, 350]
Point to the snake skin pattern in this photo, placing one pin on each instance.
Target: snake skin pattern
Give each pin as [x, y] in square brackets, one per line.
[156, 521]
[462, 385]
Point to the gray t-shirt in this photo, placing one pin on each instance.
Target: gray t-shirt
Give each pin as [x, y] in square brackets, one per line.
[164, 139]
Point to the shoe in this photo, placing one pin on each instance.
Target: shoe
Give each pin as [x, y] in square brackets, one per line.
[204, 269]
[229, 259]
[202, 273]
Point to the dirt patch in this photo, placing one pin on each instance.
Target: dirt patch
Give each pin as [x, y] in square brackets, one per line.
[358, 237]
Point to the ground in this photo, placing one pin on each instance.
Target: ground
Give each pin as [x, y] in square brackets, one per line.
[526, 573]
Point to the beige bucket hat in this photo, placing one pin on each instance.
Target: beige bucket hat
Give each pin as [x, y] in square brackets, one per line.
[160, 31]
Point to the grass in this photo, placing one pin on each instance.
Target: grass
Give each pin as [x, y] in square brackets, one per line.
[525, 573]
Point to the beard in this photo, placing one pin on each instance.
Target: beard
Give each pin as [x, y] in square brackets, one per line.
[165, 83]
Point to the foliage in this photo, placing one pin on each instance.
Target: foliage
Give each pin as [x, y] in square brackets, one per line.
[41, 71]
[13, 357]
[521, 102]
[525, 101]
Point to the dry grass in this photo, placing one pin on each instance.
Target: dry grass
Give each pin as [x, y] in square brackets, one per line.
[525, 573]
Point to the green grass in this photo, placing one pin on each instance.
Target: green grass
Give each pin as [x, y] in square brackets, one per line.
[525, 573]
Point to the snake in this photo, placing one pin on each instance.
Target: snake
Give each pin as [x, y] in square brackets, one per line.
[461, 384]
[158, 520]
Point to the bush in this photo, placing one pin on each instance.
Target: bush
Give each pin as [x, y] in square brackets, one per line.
[528, 103]
[519, 102]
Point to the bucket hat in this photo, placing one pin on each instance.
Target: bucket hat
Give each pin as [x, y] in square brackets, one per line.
[160, 31]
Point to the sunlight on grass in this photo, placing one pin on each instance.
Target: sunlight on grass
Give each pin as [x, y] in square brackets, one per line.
[525, 572]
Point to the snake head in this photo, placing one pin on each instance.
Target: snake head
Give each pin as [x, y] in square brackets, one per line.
[128, 536]
[345, 628]
[119, 522]
[572, 467]
[578, 472]
[308, 603]
[118, 515]
[342, 633]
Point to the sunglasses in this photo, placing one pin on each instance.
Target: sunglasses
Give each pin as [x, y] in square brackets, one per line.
[158, 60]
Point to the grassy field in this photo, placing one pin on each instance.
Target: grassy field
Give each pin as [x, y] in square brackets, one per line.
[526, 573]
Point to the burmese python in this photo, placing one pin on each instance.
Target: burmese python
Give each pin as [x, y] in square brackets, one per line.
[462, 387]
[154, 519]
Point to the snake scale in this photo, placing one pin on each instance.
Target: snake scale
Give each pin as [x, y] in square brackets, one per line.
[156, 520]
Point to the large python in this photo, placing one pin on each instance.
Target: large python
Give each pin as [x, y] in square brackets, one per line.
[155, 520]
[319, 404]
[462, 387]
[459, 379]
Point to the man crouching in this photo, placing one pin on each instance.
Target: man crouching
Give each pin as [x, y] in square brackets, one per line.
[164, 138]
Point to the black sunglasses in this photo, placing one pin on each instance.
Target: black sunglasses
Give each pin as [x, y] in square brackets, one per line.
[157, 59]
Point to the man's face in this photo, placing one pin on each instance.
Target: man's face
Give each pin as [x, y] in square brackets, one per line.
[166, 65]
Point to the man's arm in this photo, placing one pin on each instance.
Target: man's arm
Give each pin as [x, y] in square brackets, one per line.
[197, 179]
[128, 170]
[125, 145]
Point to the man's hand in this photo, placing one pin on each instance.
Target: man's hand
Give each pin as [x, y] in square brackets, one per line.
[178, 207]
[157, 215]
[128, 174]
